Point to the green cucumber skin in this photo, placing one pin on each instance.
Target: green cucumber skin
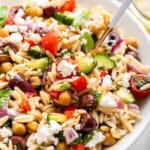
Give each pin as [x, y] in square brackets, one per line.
[104, 61]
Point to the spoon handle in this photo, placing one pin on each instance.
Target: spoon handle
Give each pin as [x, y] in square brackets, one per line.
[119, 13]
[113, 22]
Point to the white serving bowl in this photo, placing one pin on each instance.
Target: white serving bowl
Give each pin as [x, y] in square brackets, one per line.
[130, 27]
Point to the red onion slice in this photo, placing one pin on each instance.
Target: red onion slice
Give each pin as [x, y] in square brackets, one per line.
[134, 68]
[3, 111]
[70, 135]
[116, 46]
[120, 104]
[134, 108]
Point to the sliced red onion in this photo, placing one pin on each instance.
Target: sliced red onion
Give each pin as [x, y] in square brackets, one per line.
[134, 108]
[29, 25]
[117, 45]
[3, 111]
[120, 104]
[134, 54]
[70, 135]
[12, 113]
[134, 68]
[19, 140]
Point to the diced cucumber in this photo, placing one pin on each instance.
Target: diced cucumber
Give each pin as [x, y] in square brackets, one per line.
[97, 95]
[62, 87]
[36, 52]
[58, 117]
[41, 63]
[86, 64]
[89, 41]
[116, 57]
[67, 54]
[104, 61]
[126, 95]
[81, 18]
[63, 18]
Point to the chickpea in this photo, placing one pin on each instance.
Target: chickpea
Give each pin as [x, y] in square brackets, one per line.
[5, 67]
[110, 140]
[18, 128]
[32, 126]
[64, 98]
[131, 41]
[62, 146]
[34, 11]
[4, 33]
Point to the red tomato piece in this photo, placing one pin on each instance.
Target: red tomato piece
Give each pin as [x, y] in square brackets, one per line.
[137, 92]
[54, 94]
[25, 106]
[4, 79]
[30, 42]
[69, 111]
[79, 147]
[103, 73]
[9, 21]
[80, 83]
[69, 5]
[30, 95]
[71, 61]
[50, 42]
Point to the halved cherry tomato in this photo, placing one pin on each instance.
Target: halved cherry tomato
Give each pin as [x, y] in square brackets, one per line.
[4, 79]
[30, 95]
[68, 60]
[80, 83]
[9, 21]
[50, 42]
[103, 73]
[134, 85]
[30, 42]
[68, 5]
[54, 94]
[79, 147]
[69, 111]
[25, 106]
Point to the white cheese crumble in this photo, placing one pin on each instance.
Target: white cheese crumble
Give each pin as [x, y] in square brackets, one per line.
[35, 37]
[15, 38]
[108, 101]
[47, 133]
[5, 132]
[66, 69]
[25, 46]
[23, 28]
[126, 79]
[42, 3]
[50, 148]
[98, 137]
[11, 28]
[106, 81]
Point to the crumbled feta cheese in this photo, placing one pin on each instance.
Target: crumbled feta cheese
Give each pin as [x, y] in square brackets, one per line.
[35, 37]
[98, 137]
[107, 81]
[47, 133]
[42, 3]
[20, 13]
[25, 46]
[108, 101]
[19, 20]
[66, 69]
[126, 79]
[5, 132]
[23, 28]
[15, 38]
[11, 28]
[50, 148]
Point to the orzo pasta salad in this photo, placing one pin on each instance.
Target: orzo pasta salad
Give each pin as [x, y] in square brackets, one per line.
[57, 92]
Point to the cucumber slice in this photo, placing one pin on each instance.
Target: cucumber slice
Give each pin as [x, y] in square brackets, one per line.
[63, 18]
[143, 6]
[68, 54]
[62, 87]
[104, 61]
[35, 52]
[89, 41]
[57, 117]
[126, 95]
[86, 64]
[41, 63]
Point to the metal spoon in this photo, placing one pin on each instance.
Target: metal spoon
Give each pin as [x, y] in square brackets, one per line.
[113, 22]
[4, 58]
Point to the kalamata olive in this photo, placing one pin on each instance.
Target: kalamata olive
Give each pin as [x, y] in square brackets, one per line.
[14, 10]
[87, 101]
[50, 11]
[6, 46]
[25, 86]
[88, 123]
[19, 142]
